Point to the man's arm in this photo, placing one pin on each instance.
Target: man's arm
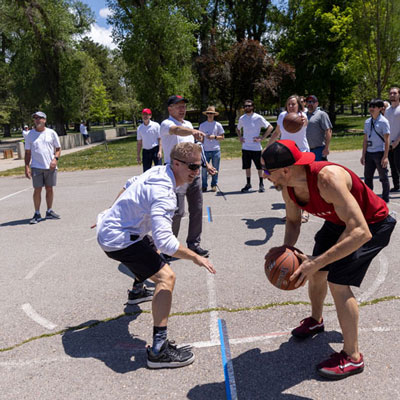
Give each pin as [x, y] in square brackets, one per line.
[239, 132]
[54, 161]
[328, 137]
[138, 151]
[27, 162]
[276, 134]
[293, 220]
[334, 185]
[159, 154]
[364, 149]
[385, 160]
[185, 131]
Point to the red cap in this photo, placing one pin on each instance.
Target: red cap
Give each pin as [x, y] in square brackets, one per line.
[146, 111]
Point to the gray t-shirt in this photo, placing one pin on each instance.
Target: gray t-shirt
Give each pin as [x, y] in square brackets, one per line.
[376, 129]
[318, 123]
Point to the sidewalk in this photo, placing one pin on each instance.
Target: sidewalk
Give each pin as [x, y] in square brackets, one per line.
[9, 163]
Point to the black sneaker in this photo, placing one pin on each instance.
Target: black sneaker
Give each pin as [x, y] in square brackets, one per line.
[36, 218]
[170, 356]
[204, 190]
[52, 215]
[198, 250]
[140, 296]
[246, 188]
[261, 189]
[395, 189]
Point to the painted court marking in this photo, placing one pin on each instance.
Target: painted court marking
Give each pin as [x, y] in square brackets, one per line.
[35, 269]
[230, 384]
[212, 303]
[14, 194]
[31, 313]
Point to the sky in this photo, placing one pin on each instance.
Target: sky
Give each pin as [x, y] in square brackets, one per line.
[100, 32]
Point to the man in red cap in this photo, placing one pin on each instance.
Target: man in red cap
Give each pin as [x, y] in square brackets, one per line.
[357, 227]
[148, 138]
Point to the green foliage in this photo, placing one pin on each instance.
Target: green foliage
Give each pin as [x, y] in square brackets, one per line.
[99, 108]
[157, 43]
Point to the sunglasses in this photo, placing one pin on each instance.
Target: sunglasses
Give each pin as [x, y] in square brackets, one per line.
[268, 171]
[310, 101]
[248, 105]
[191, 166]
[373, 106]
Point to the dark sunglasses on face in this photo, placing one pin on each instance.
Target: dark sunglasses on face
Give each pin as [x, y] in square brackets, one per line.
[191, 166]
[268, 171]
[373, 106]
[247, 105]
[310, 101]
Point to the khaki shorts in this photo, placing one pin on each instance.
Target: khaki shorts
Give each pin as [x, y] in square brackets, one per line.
[44, 177]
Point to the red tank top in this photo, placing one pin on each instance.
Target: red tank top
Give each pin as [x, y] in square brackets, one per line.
[372, 206]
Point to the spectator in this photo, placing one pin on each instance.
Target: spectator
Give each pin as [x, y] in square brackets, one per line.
[319, 129]
[393, 116]
[249, 128]
[25, 131]
[376, 147]
[84, 132]
[42, 151]
[214, 132]
[148, 138]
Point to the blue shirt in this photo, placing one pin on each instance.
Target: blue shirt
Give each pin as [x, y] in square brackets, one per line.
[376, 129]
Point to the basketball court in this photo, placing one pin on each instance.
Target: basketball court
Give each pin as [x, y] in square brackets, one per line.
[65, 334]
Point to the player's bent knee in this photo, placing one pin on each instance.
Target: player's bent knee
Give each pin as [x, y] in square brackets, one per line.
[165, 276]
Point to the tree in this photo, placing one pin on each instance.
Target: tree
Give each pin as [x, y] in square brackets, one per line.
[315, 36]
[241, 72]
[157, 43]
[48, 28]
[99, 107]
[377, 40]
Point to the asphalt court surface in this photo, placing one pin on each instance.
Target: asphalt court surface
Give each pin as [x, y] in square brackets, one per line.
[55, 276]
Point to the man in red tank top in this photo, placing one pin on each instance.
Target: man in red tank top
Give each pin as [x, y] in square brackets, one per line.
[357, 227]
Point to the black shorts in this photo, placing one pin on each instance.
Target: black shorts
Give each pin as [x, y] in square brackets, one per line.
[248, 155]
[141, 258]
[351, 269]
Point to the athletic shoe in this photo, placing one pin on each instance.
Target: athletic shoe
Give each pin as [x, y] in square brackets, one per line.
[213, 188]
[170, 356]
[136, 297]
[36, 218]
[204, 190]
[340, 366]
[198, 250]
[395, 189]
[246, 188]
[308, 327]
[52, 215]
[261, 189]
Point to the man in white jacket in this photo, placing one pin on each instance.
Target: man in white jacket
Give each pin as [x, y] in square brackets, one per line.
[148, 205]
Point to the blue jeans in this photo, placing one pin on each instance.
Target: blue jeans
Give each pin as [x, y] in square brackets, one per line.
[318, 153]
[215, 157]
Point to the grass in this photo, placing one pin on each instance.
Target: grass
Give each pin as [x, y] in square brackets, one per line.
[122, 153]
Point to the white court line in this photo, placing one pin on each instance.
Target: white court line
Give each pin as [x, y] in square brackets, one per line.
[14, 194]
[383, 271]
[212, 303]
[270, 336]
[92, 238]
[31, 313]
[40, 265]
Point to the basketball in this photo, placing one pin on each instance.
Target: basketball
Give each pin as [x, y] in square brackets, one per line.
[280, 263]
[292, 122]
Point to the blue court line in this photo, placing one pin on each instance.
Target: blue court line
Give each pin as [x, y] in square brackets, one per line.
[209, 214]
[230, 384]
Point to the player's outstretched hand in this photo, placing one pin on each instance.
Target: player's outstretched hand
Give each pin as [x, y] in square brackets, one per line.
[204, 262]
[306, 268]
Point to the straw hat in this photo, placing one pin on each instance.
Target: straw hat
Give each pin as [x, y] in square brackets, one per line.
[211, 110]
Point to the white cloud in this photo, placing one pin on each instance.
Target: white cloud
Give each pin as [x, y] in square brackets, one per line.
[102, 35]
[105, 12]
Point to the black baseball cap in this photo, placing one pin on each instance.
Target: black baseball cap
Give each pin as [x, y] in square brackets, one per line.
[284, 153]
[176, 99]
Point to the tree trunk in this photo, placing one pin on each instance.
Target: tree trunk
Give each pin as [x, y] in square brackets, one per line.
[332, 104]
[7, 130]
[60, 128]
[231, 121]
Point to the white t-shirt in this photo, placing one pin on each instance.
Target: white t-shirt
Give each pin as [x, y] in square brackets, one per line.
[147, 205]
[83, 129]
[251, 128]
[42, 146]
[211, 128]
[393, 116]
[169, 141]
[25, 133]
[299, 137]
[149, 134]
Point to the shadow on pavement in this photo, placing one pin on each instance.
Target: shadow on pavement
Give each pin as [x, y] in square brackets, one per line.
[109, 342]
[268, 375]
[267, 224]
[18, 222]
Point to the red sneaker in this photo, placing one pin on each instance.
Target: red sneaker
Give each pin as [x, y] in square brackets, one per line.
[340, 366]
[308, 327]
